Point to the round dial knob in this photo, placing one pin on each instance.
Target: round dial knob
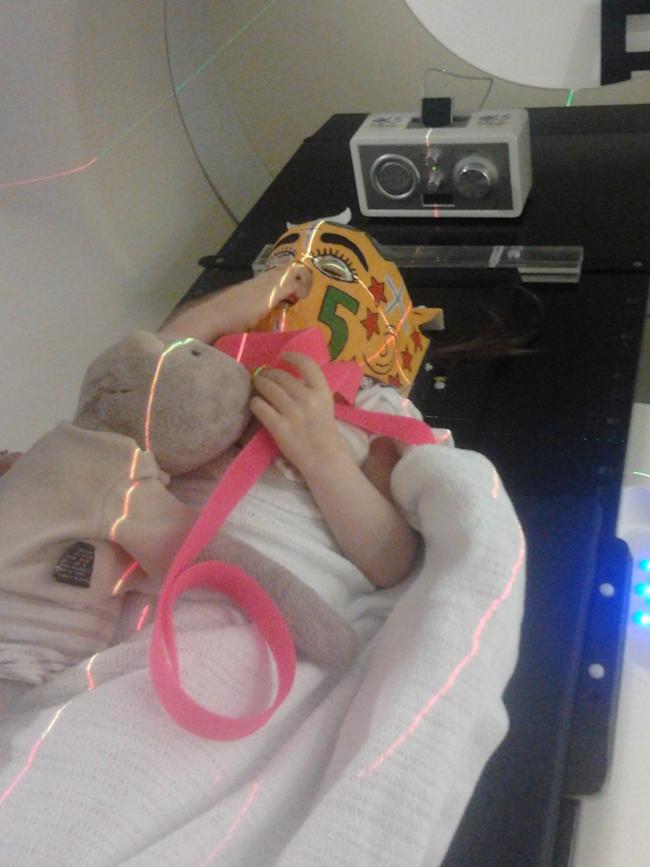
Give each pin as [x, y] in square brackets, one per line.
[394, 176]
[474, 177]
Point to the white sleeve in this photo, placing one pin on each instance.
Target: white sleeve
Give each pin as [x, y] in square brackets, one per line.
[381, 398]
[375, 398]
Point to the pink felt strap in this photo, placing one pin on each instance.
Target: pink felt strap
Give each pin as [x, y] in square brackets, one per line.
[236, 585]
[266, 348]
[411, 431]
[183, 575]
[248, 595]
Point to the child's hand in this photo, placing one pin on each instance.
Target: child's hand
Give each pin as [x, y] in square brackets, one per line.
[261, 294]
[238, 307]
[298, 413]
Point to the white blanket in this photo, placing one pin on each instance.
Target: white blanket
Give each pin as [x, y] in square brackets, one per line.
[374, 767]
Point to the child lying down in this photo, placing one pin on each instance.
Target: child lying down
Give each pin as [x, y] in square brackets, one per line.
[116, 521]
[373, 766]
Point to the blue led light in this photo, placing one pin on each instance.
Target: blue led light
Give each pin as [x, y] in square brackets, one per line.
[644, 565]
[642, 589]
[641, 618]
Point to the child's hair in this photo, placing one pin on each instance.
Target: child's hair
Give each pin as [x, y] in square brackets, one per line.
[491, 331]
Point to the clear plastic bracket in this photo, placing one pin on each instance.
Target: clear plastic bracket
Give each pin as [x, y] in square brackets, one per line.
[534, 264]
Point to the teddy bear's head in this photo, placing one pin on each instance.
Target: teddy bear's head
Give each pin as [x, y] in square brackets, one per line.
[181, 399]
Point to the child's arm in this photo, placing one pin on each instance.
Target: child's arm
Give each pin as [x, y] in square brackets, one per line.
[355, 501]
[238, 307]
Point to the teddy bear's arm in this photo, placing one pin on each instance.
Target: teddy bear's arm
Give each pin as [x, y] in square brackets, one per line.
[153, 526]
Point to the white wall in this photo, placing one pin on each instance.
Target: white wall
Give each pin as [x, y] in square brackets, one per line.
[198, 33]
[90, 255]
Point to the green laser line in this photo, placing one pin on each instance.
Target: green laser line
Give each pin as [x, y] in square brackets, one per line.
[152, 111]
[184, 84]
[228, 42]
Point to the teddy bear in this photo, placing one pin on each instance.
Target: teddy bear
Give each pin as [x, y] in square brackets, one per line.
[88, 512]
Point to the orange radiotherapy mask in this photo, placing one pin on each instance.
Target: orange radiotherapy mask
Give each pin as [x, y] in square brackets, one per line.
[357, 298]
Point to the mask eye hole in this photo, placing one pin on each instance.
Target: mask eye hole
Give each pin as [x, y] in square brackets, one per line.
[280, 258]
[334, 266]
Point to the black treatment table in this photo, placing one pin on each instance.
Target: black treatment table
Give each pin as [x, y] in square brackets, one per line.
[554, 423]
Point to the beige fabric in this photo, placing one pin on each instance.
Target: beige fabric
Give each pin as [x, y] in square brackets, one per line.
[72, 485]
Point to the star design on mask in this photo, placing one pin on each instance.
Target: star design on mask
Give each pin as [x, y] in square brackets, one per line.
[394, 380]
[417, 341]
[371, 323]
[376, 289]
[407, 358]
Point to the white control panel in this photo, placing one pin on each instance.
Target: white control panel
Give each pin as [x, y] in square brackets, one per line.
[476, 166]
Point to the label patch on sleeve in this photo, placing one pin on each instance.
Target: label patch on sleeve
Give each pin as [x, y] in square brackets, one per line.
[76, 565]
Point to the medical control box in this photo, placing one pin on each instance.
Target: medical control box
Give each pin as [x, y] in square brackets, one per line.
[477, 166]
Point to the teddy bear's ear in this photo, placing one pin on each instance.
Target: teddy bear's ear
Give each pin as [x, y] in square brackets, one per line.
[115, 379]
[139, 341]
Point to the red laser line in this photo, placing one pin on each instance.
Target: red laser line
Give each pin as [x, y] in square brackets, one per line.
[89, 677]
[453, 677]
[32, 755]
[242, 344]
[143, 617]
[54, 177]
[231, 830]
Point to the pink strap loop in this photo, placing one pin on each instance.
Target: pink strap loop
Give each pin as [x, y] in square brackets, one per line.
[343, 378]
[246, 593]
[236, 585]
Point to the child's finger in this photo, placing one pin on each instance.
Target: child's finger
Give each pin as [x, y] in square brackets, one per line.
[310, 371]
[279, 388]
[297, 278]
[294, 280]
[265, 413]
